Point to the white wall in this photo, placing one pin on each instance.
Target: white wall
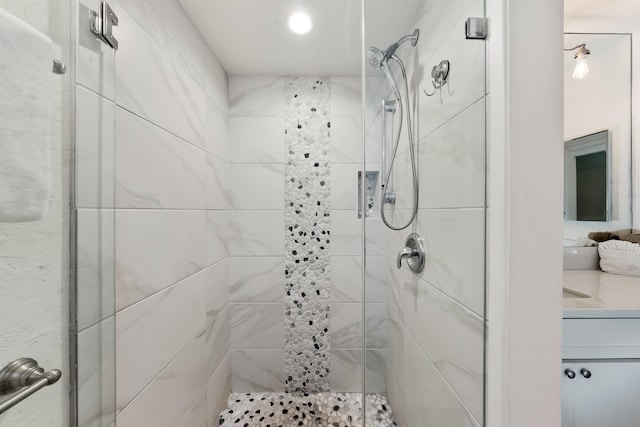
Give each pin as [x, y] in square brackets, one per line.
[626, 23]
[525, 214]
[602, 101]
[34, 255]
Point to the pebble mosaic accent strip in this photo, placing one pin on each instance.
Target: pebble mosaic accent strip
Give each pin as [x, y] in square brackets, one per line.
[307, 197]
[303, 409]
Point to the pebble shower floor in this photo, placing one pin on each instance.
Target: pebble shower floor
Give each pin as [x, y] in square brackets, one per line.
[305, 409]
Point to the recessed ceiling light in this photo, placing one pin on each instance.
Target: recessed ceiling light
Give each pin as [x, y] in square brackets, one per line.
[300, 23]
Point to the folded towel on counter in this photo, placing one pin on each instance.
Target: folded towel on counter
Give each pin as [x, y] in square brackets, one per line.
[620, 257]
[25, 120]
[630, 237]
[602, 236]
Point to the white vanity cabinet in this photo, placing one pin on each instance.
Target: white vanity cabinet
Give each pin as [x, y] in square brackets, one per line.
[602, 393]
[601, 373]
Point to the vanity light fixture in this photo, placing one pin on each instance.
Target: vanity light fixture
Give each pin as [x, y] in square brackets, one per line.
[582, 68]
[300, 23]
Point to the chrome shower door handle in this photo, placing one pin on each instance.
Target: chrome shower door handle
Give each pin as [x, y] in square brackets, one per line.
[25, 377]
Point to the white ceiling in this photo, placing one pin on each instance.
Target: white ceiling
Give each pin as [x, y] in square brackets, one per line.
[601, 16]
[251, 37]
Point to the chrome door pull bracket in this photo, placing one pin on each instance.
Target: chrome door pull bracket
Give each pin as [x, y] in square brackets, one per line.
[24, 377]
[102, 24]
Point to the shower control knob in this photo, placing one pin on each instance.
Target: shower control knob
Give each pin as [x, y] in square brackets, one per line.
[414, 252]
[585, 372]
[570, 373]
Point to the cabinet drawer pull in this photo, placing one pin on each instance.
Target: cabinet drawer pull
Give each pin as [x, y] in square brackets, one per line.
[569, 372]
[585, 372]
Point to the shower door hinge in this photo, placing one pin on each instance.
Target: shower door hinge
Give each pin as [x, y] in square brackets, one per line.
[102, 23]
[476, 28]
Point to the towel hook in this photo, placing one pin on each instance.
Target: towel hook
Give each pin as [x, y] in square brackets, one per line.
[440, 78]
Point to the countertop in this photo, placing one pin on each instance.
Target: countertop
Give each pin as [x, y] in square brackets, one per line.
[610, 295]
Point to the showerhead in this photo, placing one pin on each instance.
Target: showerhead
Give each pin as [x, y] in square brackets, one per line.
[378, 61]
[376, 58]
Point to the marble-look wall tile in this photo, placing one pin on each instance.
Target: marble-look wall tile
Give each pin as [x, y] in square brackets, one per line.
[155, 169]
[172, 393]
[376, 371]
[257, 370]
[466, 78]
[197, 416]
[376, 279]
[96, 382]
[95, 59]
[217, 141]
[256, 279]
[256, 96]
[377, 237]
[345, 375]
[346, 140]
[256, 326]
[346, 233]
[344, 186]
[218, 341]
[218, 187]
[95, 269]
[377, 328]
[457, 350]
[256, 140]
[346, 278]
[346, 325]
[216, 289]
[257, 186]
[148, 336]
[216, 83]
[167, 23]
[94, 241]
[217, 238]
[346, 371]
[218, 390]
[168, 97]
[95, 294]
[434, 400]
[346, 96]
[95, 148]
[455, 253]
[394, 388]
[155, 249]
[454, 154]
[395, 344]
[397, 278]
[254, 232]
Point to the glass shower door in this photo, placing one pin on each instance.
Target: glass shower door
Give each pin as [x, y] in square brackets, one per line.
[34, 202]
[425, 328]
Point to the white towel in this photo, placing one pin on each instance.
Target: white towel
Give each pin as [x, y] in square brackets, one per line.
[620, 257]
[25, 120]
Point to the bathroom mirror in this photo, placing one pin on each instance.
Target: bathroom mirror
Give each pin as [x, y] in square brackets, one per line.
[587, 178]
[598, 136]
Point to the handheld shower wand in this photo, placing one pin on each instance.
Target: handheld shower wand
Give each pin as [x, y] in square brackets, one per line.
[380, 60]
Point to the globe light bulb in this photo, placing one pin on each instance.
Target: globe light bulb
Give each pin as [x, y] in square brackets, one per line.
[582, 68]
